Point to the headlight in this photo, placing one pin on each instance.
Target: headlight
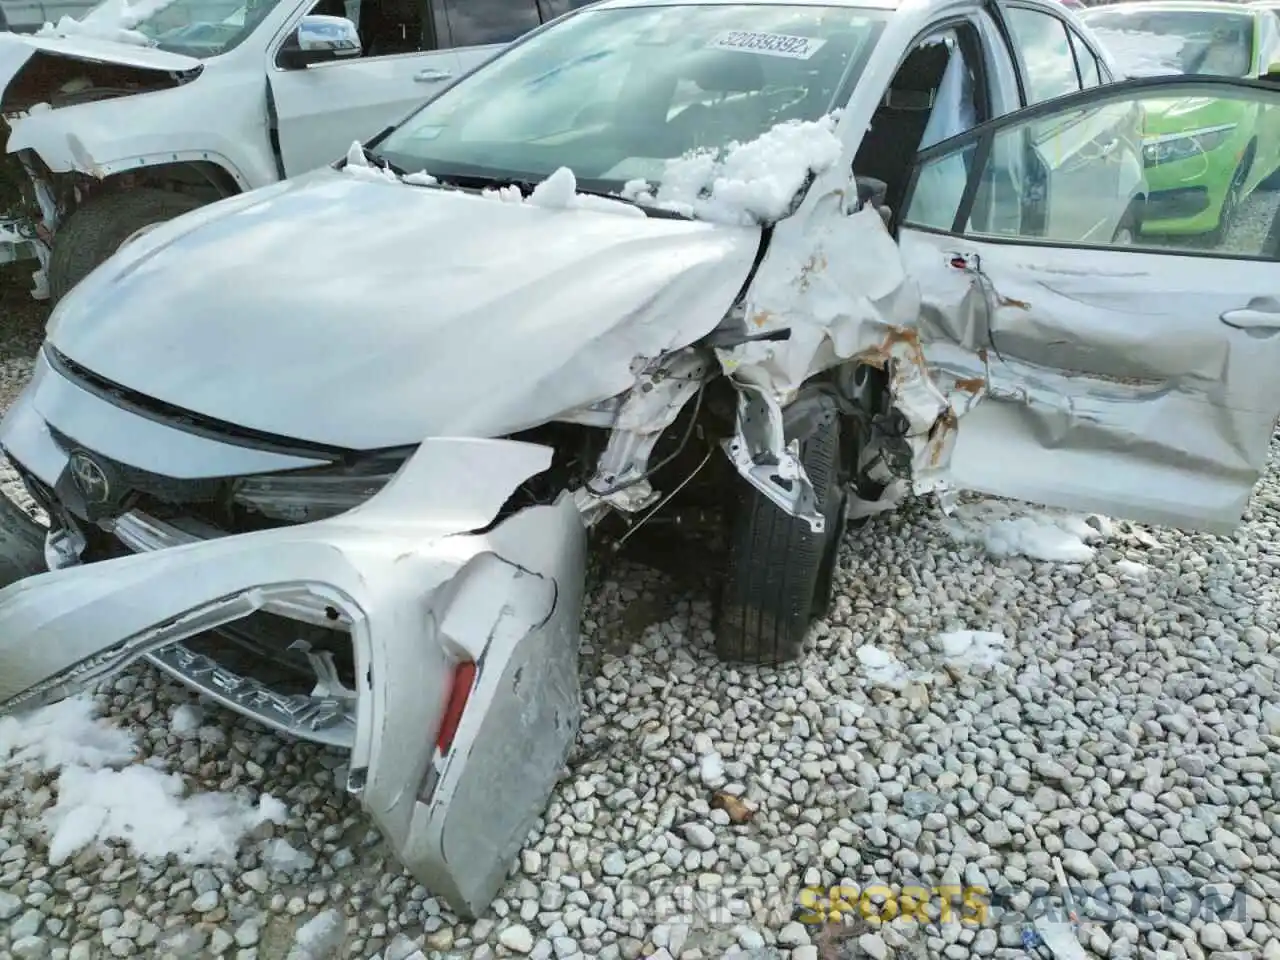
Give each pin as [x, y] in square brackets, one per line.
[302, 496]
[1171, 147]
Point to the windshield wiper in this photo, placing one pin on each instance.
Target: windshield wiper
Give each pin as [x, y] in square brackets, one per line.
[383, 162]
[477, 181]
[649, 209]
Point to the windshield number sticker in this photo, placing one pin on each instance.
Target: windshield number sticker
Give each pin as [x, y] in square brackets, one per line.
[770, 44]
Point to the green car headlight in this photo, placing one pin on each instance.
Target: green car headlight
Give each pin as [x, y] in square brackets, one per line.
[1185, 144]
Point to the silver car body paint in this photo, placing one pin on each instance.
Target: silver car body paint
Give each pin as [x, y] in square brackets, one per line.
[1024, 372]
[423, 591]
[390, 290]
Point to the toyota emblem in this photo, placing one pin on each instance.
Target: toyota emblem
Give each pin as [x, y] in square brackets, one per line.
[89, 478]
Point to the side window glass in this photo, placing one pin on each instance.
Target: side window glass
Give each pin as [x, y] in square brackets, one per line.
[473, 23]
[1103, 73]
[1137, 170]
[1085, 61]
[1051, 68]
[386, 27]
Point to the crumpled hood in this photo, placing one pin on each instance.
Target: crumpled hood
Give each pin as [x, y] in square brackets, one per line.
[33, 68]
[362, 314]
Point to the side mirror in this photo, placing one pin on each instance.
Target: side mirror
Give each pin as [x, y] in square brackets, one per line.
[319, 39]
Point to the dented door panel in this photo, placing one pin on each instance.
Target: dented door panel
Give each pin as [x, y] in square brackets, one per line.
[1110, 383]
[426, 585]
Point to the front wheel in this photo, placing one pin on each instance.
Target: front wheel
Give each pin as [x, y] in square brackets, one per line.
[779, 573]
[99, 228]
[1231, 202]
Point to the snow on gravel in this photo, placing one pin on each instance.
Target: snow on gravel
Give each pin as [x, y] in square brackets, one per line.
[1114, 709]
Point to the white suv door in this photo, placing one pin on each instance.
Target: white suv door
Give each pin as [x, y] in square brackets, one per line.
[409, 54]
[1133, 376]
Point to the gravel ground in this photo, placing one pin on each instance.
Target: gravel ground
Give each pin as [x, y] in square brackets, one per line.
[1119, 712]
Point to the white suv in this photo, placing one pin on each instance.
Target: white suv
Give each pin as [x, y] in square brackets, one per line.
[130, 117]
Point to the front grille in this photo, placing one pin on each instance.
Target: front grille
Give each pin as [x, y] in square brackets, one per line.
[164, 489]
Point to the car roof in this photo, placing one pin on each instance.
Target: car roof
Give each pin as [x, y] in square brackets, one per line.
[1215, 6]
[914, 7]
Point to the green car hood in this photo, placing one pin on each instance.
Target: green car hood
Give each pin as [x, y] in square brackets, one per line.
[1191, 113]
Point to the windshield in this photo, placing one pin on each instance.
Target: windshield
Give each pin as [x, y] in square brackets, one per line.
[1191, 42]
[613, 94]
[197, 28]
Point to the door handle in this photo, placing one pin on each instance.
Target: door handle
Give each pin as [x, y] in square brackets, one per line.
[432, 76]
[1249, 318]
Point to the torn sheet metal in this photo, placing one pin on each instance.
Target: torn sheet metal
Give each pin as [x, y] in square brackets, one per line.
[836, 282]
[423, 592]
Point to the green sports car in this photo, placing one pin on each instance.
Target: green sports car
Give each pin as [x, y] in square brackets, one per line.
[1202, 156]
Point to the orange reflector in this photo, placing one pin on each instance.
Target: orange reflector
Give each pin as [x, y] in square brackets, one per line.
[464, 675]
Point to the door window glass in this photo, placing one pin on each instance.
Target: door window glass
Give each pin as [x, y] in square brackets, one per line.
[1051, 68]
[1085, 61]
[386, 27]
[1165, 169]
[473, 23]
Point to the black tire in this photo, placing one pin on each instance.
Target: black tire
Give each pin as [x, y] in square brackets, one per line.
[1130, 225]
[779, 573]
[95, 231]
[1231, 203]
[21, 543]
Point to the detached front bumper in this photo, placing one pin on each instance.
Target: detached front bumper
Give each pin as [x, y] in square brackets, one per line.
[464, 631]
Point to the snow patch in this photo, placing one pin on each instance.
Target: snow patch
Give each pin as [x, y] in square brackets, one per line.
[975, 650]
[883, 669]
[145, 808]
[560, 192]
[1142, 54]
[419, 179]
[186, 720]
[281, 855]
[711, 769]
[114, 20]
[70, 27]
[140, 805]
[1006, 530]
[1131, 569]
[744, 183]
[358, 165]
[65, 734]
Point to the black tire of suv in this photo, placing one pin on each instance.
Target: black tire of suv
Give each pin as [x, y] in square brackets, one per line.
[96, 230]
[771, 591]
[21, 543]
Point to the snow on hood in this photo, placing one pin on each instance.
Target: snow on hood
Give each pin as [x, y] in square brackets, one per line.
[1139, 53]
[368, 314]
[745, 183]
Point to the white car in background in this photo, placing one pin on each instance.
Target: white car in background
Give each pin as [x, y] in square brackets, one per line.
[329, 452]
[134, 114]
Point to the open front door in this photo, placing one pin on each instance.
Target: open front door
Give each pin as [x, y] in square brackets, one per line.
[1132, 370]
